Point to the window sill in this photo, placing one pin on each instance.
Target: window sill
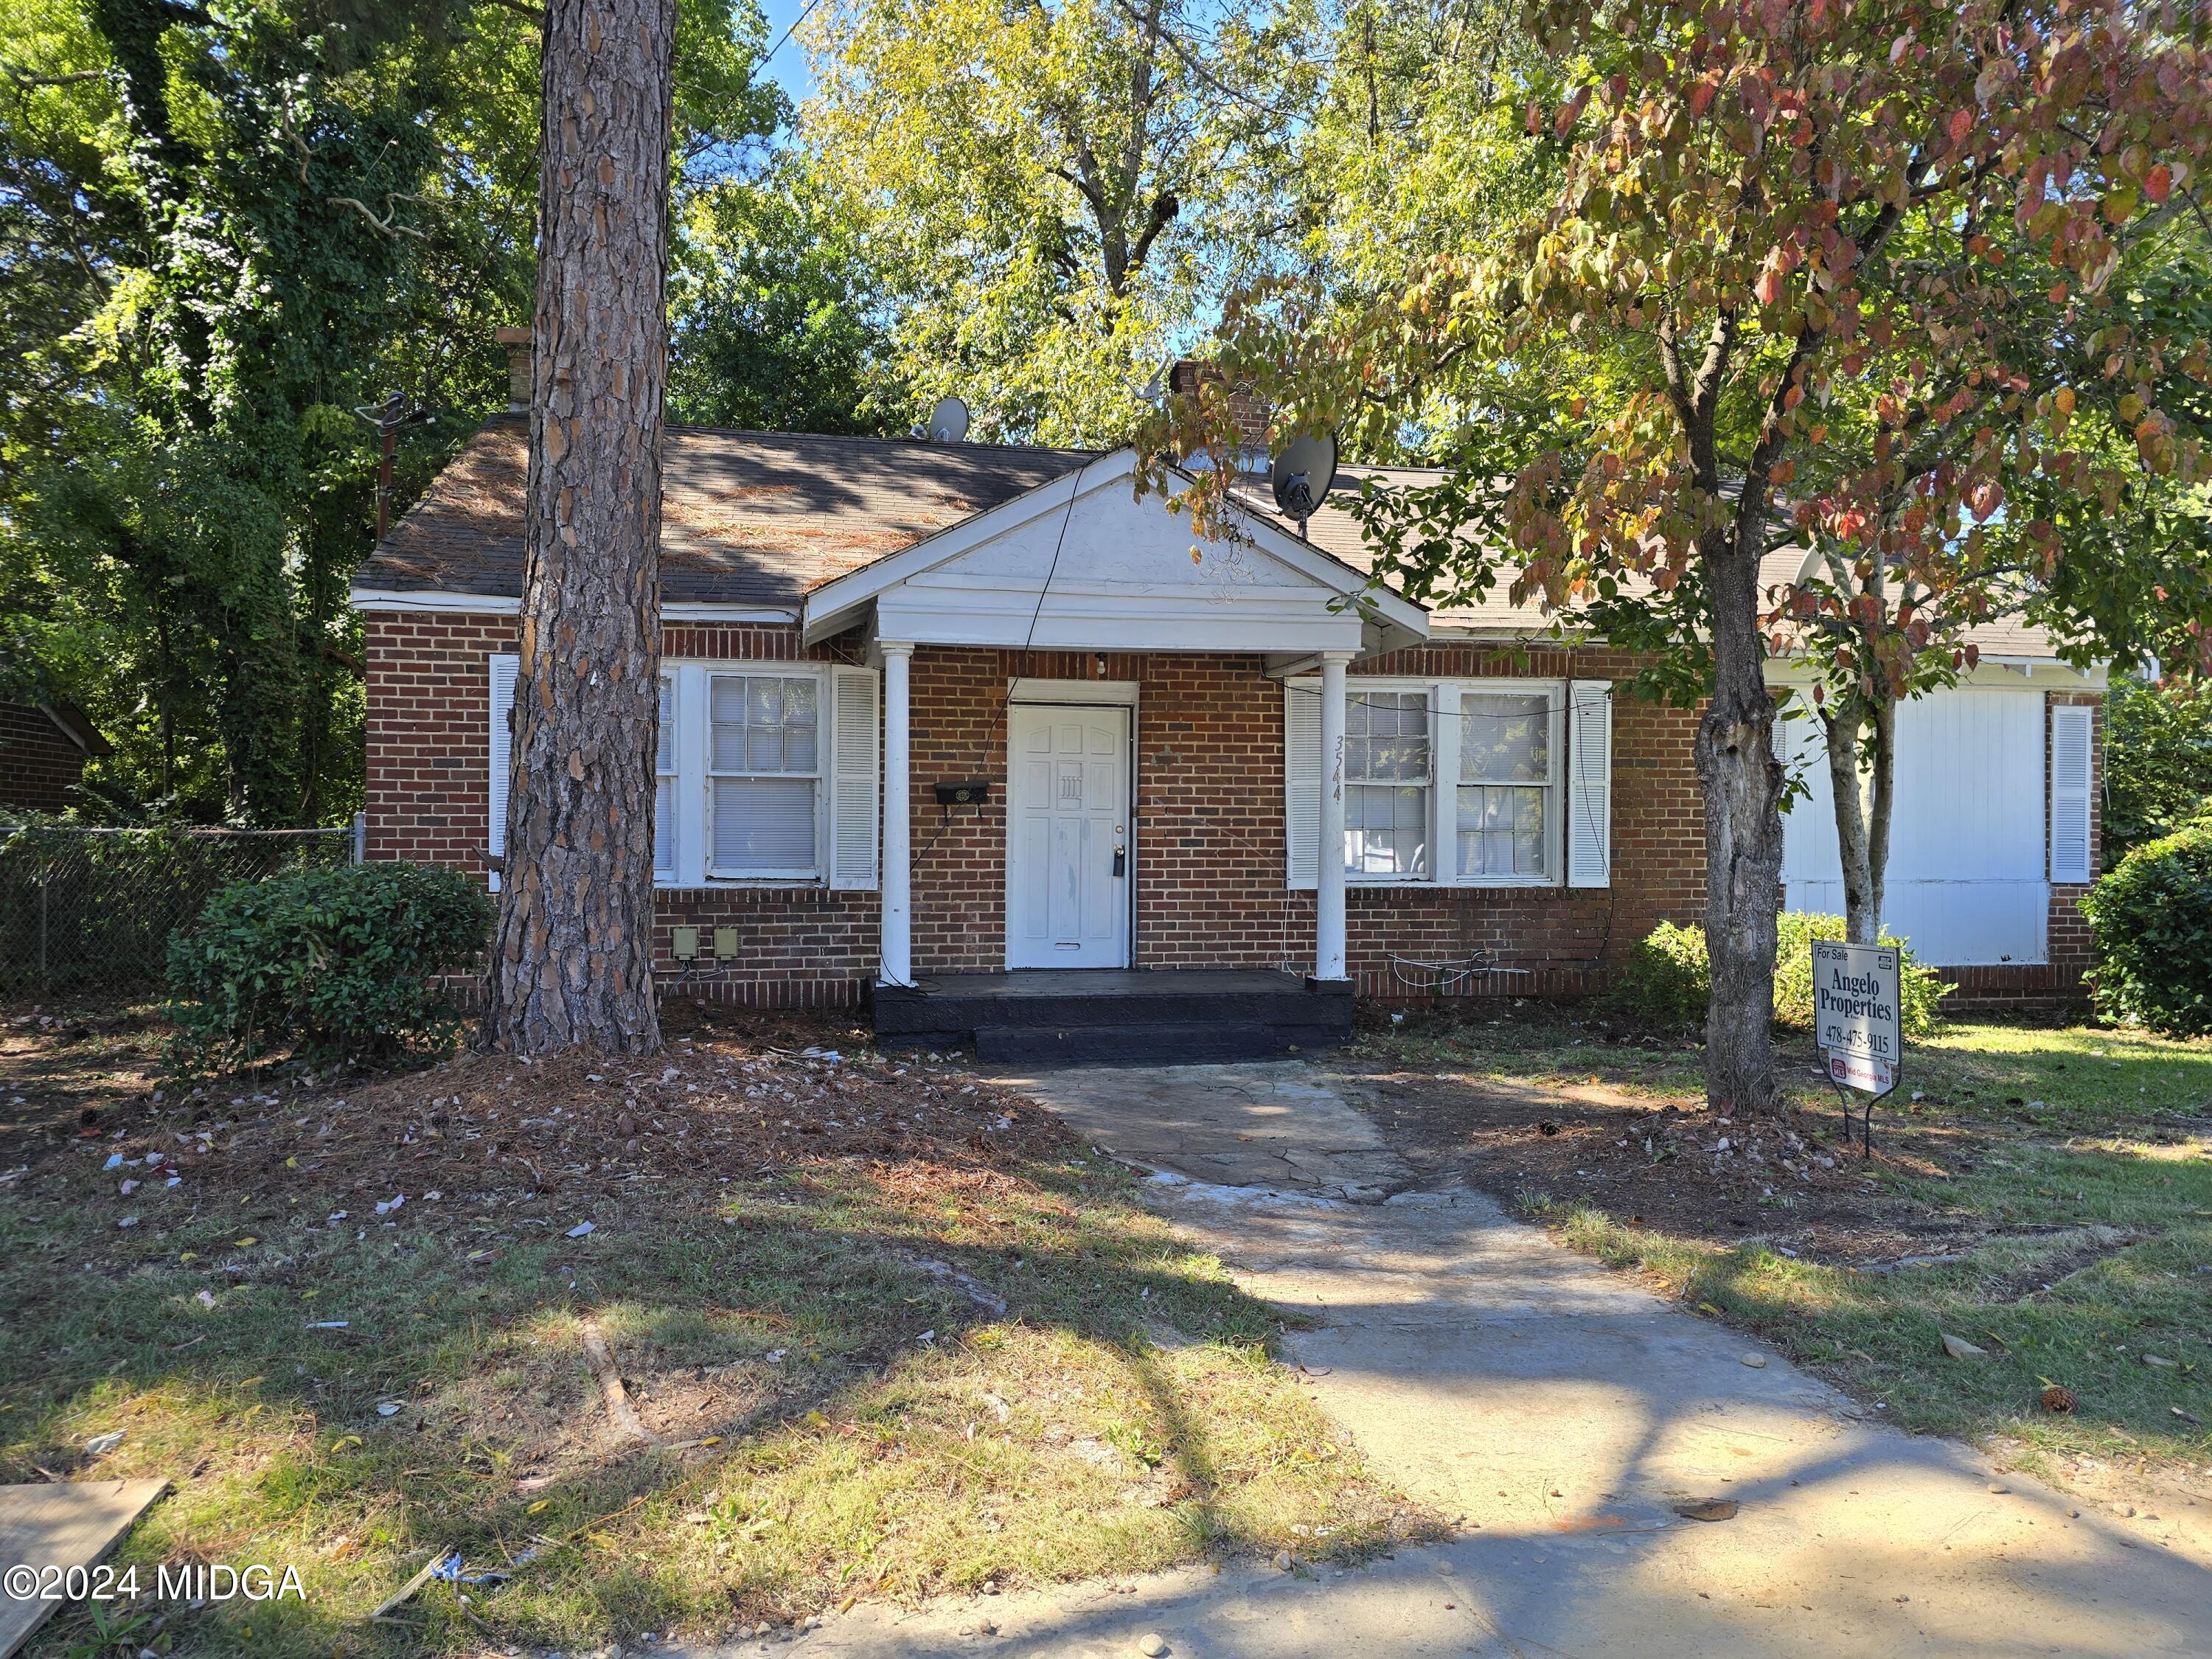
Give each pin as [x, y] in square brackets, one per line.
[745, 884]
[1411, 884]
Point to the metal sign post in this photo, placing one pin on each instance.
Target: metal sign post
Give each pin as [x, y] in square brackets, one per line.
[1858, 1022]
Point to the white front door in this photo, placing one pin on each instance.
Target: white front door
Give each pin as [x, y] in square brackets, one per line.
[1068, 850]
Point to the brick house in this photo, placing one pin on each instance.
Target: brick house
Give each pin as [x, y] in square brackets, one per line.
[936, 713]
[43, 750]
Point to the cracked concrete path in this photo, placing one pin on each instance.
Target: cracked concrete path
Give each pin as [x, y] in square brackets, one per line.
[1270, 1123]
[1557, 1413]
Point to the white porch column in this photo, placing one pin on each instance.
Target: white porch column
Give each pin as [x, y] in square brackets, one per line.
[1328, 875]
[896, 967]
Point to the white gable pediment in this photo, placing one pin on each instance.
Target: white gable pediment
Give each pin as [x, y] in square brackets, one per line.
[1084, 563]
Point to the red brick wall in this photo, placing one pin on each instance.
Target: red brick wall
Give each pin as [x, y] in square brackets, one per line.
[1561, 936]
[429, 797]
[428, 721]
[39, 768]
[1209, 852]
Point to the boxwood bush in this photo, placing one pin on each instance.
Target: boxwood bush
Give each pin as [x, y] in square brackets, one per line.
[1666, 980]
[2150, 921]
[1920, 990]
[332, 965]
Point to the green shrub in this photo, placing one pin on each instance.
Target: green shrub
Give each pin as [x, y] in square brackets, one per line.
[1920, 990]
[1666, 980]
[337, 964]
[2150, 921]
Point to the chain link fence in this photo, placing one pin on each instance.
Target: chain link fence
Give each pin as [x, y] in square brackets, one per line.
[93, 910]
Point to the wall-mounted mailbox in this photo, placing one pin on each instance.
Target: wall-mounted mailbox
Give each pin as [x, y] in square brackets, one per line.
[964, 794]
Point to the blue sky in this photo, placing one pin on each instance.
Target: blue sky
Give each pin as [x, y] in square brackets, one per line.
[789, 65]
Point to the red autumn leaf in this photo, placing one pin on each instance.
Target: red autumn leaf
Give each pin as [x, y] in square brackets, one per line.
[2158, 182]
[1701, 98]
[1570, 112]
[1962, 122]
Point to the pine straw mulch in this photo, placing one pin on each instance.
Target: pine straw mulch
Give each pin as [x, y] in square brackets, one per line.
[738, 1100]
[1677, 1167]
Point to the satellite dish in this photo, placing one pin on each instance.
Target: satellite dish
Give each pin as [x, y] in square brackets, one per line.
[1814, 560]
[948, 422]
[1301, 476]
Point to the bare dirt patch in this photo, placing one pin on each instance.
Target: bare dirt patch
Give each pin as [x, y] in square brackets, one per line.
[1653, 1162]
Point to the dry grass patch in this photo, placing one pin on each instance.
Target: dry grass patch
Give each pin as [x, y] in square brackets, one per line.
[893, 1332]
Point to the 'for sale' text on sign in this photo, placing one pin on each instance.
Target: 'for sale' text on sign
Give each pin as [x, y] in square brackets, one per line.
[1856, 1003]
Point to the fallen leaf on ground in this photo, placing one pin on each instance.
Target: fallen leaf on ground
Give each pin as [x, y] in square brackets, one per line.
[1713, 1508]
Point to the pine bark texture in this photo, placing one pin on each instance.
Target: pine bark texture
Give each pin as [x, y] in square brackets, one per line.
[572, 960]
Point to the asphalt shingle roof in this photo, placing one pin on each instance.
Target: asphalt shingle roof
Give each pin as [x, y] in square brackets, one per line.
[1335, 531]
[747, 518]
[759, 518]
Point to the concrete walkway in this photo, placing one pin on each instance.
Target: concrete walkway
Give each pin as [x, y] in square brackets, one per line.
[1559, 1415]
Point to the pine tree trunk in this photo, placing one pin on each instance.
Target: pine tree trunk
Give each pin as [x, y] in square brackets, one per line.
[1741, 780]
[572, 954]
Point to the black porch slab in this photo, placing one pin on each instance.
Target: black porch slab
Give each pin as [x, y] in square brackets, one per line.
[1115, 1015]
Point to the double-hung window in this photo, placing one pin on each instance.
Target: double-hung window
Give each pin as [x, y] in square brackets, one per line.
[764, 771]
[1387, 778]
[1456, 783]
[1508, 804]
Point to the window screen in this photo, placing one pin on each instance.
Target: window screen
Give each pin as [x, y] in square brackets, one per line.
[1386, 774]
[764, 768]
[1506, 784]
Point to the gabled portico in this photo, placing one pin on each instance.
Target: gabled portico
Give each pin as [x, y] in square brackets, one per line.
[1086, 564]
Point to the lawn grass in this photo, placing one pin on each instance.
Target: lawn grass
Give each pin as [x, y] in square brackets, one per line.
[2078, 1159]
[847, 1413]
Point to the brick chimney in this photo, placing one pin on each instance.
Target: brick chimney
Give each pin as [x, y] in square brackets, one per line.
[1187, 374]
[519, 342]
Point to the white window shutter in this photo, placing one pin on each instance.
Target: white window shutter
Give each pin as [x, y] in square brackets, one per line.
[2071, 735]
[1589, 783]
[1301, 779]
[1446, 759]
[857, 740]
[501, 761]
[664, 787]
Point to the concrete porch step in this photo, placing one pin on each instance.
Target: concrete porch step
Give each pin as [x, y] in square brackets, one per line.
[1115, 1015]
[1149, 1044]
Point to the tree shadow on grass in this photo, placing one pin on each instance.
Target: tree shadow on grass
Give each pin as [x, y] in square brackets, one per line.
[837, 1418]
[2083, 1265]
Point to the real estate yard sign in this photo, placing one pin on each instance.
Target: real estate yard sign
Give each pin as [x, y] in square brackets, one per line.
[1857, 1014]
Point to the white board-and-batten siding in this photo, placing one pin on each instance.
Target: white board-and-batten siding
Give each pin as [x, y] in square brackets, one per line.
[1976, 837]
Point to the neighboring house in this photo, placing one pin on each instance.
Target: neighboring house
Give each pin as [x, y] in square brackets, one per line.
[43, 749]
[856, 631]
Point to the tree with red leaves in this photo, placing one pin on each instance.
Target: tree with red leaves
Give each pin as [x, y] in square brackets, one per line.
[1850, 270]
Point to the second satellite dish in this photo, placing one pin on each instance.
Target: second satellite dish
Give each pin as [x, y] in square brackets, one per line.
[948, 422]
[1301, 475]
